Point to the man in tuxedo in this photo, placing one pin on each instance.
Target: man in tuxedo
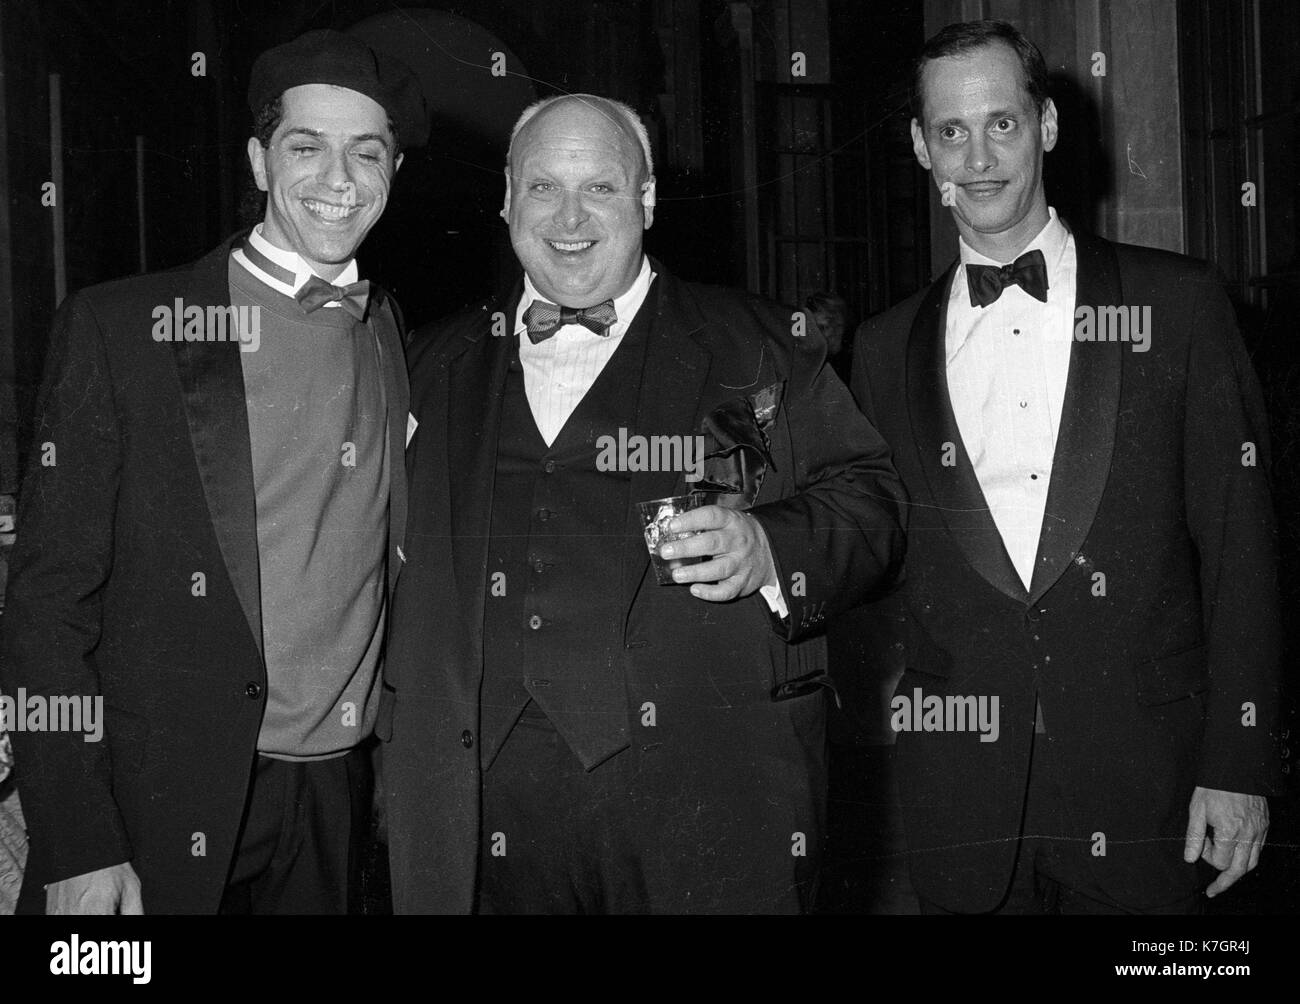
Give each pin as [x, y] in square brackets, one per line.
[1091, 560]
[207, 528]
[569, 735]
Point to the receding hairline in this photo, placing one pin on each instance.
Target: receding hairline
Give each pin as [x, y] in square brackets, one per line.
[625, 119]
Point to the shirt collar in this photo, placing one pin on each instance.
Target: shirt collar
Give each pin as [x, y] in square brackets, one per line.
[292, 261]
[1050, 240]
[626, 304]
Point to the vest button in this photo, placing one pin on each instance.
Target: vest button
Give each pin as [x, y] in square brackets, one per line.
[539, 565]
[549, 467]
[535, 622]
[467, 738]
[253, 690]
[544, 514]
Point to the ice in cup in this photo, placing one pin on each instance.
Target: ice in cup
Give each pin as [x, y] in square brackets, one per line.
[655, 517]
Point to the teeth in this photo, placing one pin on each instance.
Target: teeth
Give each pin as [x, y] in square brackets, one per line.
[575, 246]
[330, 212]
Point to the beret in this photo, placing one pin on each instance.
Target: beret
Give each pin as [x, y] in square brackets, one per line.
[332, 57]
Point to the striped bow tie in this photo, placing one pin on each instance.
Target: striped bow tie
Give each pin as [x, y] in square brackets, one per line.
[545, 319]
[316, 292]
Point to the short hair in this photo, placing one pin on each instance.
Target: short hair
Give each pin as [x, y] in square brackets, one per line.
[966, 36]
[267, 119]
[630, 118]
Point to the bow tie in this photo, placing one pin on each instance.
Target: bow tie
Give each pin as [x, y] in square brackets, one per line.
[987, 282]
[545, 319]
[316, 292]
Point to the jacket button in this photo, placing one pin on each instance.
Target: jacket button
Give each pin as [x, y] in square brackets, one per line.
[544, 514]
[535, 622]
[467, 738]
[253, 690]
[549, 467]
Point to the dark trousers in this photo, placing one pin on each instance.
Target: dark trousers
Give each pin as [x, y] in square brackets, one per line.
[299, 845]
[1053, 872]
[557, 839]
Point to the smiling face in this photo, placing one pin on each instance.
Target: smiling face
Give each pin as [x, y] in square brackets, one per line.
[983, 136]
[577, 203]
[327, 172]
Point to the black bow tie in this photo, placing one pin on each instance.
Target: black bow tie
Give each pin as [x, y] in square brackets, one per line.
[316, 292]
[1029, 272]
[545, 319]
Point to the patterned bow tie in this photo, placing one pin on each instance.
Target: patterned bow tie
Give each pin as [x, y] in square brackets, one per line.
[1029, 272]
[316, 292]
[545, 319]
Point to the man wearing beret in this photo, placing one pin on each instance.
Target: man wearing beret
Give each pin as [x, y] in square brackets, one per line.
[210, 531]
[569, 735]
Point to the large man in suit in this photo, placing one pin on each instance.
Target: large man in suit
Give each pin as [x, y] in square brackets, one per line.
[206, 528]
[569, 735]
[1091, 568]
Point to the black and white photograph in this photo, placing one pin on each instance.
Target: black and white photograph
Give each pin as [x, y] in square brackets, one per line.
[719, 458]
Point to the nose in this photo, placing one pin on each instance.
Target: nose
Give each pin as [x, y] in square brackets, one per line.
[334, 171]
[979, 154]
[571, 213]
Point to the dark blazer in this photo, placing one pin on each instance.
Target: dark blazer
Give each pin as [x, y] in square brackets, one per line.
[153, 483]
[735, 765]
[1152, 618]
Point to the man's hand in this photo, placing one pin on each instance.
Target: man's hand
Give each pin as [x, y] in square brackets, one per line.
[741, 561]
[115, 889]
[1240, 823]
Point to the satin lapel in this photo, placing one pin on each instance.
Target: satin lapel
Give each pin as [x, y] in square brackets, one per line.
[475, 389]
[672, 387]
[954, 489]
[399, 406]
[1085, 441]
[212, 385]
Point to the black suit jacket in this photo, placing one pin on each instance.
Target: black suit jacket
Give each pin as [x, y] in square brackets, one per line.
[153, 483]
[735, 764]
[1150, 629]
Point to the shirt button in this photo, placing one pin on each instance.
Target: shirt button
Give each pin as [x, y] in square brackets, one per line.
[535, 622]
[467, 738]
[549, 467]
[253, 690]
[1024, 404]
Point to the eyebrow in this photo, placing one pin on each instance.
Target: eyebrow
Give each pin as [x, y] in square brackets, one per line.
[993, 116]
[318, 134]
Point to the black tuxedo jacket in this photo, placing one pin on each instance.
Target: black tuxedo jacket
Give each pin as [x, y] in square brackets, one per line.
[1150, 631]
[734, 766]
[153, 483]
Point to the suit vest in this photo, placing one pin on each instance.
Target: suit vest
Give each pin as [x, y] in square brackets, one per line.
[553, 623]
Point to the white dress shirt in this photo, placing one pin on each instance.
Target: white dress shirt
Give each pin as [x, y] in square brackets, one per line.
[559, 371]
[292, 261]
[1007, 365]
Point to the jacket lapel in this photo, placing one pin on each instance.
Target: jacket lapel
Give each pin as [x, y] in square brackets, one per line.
[475, 391]
[1085, 441]
[212, 386]
[948, 469]
[671, 388]
[399, 404]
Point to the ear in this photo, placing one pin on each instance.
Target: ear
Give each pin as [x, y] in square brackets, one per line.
[505, 206]
[648, 197]
[918, 145]
[398, 162]
[1048, 125]
[257, 161]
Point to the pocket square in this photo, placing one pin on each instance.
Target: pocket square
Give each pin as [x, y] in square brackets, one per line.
[737, 450]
